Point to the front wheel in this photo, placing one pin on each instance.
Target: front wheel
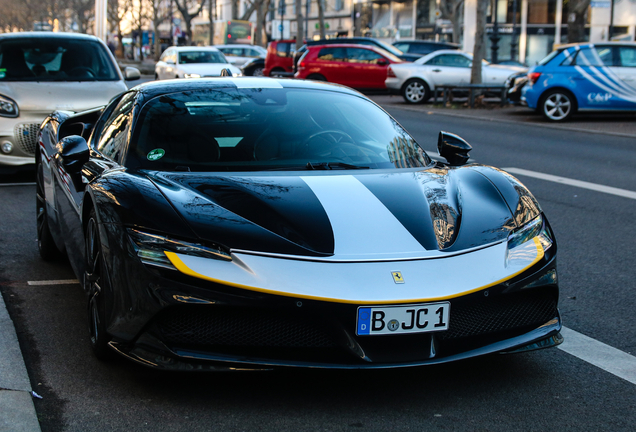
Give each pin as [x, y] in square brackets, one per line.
[95, 280]
[258, 71]
[557, 105]
[416, 91]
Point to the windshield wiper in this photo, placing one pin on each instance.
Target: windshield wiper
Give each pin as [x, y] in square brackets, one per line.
[333, 165]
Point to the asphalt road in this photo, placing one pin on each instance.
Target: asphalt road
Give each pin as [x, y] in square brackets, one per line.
[537, 391]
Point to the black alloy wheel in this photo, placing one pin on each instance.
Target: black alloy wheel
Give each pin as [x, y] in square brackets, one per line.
[95, 280]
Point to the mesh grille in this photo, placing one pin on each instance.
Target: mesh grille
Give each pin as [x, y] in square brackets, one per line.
[26, 135]
[500, 313]
[239, 328]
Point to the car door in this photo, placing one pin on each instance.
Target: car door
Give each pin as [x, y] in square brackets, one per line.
[626, 71]
[449, 69]
[367, 68]
[331, 62]
[598, 79]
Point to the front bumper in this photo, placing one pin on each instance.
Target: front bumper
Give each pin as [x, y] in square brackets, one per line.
[22, 133]
[175, 321]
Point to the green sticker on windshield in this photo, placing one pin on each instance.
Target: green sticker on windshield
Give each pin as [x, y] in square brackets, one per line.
[155, 154]
[3, 73]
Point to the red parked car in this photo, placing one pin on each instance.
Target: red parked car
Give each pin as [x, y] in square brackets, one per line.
[356, 66]
[279, 60]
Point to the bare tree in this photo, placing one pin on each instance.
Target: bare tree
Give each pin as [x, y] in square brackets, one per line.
[183, 7]
[321, 18]
[452, 10]
[84, 12]
[479, 51]
[116, 12]
[300, 28]
[577, 19]
[160, 13]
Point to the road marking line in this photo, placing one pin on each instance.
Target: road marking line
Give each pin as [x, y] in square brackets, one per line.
[54, 282]
[597, 353]
[577, 183]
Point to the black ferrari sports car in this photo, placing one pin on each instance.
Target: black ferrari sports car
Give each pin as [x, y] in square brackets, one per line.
[254, 222]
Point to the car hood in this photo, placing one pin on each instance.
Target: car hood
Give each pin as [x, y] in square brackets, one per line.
[208, 69]
[46, 97]
[374, 215]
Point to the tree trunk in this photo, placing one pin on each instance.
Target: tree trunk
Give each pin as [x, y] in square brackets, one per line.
[260, 19]
[576, 20]
[321, 19]
[300, 27]
[479, 50]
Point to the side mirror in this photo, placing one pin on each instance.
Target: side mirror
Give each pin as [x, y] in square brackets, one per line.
[383, 62]
[131, 74]
[73, 152]
[170, 61]
[453, 148]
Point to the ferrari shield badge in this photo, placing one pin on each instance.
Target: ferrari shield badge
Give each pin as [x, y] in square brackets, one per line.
[397, 277]
[155, 154]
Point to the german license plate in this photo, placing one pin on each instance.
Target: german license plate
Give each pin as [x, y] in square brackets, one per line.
[418, 318]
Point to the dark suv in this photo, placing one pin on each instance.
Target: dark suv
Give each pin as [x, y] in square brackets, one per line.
[422, 47]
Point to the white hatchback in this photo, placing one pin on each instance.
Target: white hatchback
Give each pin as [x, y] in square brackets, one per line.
[41, 72]
[192, 62]
[416, 81]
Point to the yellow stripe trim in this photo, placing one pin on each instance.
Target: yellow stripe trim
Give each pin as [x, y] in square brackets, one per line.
[180, 265]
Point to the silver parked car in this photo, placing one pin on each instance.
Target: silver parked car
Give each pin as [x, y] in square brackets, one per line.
[416, 81]
[41, 72]
[192, 62]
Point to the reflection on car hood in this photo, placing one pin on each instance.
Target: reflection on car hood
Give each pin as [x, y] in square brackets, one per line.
[379, 214]
[203, 69]
[46, 97]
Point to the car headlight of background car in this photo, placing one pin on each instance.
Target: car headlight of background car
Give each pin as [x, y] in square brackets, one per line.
[191, 75]
[151, 249]
[8, 107]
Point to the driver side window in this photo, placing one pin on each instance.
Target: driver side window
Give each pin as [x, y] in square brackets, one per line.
[115, 131]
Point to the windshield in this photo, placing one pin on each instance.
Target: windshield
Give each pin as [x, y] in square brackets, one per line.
[55, 59]
[201, 57]
[228, 129]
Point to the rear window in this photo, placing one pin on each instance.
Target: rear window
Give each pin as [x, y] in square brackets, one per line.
[55, 59]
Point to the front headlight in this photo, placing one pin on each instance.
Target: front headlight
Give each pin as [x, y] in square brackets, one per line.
[236, 74]
[151, 249]
[192, 75]
[534, 228]
[8, 107]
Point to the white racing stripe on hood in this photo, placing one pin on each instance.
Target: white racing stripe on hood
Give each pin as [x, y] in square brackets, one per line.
[362, 226]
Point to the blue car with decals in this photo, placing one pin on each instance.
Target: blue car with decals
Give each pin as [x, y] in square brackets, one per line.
[583, 76]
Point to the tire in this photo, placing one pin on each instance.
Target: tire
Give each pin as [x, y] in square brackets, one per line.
[416, 91]
[557, 105]
[46, 245]
[95, 281]
[316, 77]
[156, 76]
[258, 71]
[276, 72]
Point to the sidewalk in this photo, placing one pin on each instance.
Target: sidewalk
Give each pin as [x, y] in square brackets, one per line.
[17, 412]
[614, 123]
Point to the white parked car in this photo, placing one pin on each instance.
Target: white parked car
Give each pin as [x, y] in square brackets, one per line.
[416, 81]
[239, 54]
[41, 72]
[192, 62]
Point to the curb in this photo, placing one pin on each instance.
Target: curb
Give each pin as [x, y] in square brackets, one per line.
[17, 411]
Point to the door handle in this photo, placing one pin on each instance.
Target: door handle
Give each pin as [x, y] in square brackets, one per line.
[437, 70]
